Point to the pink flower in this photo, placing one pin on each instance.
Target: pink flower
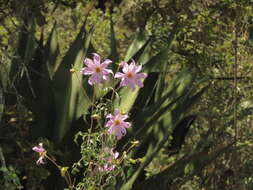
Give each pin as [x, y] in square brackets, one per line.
[42, 153]
[110, 157]
[131, 76]
[117, 124]
[98, 71]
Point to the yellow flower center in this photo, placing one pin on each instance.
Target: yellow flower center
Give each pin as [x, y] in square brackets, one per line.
[42, 153]
[98, 69]
[130, 75]
[117, 122]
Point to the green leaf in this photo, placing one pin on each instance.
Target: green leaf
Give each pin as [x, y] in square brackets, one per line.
[139, 43]
[71, 100]
[157, 63]
[31, 43]
[52, 52]
[180, 131]
[190, 165]
[128, 97]
[175, 92]
[136, 49]
[160, 135]
[26, 48]
[114, 53]
[42, 104]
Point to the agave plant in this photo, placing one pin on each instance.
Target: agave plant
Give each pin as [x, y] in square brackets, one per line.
[159, 110]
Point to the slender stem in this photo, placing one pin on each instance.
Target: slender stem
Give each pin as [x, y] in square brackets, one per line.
[50, 159]
[114, 91]
[3, 163]
[70, 180]
[92, 109]
[59, 167]
[121, 159]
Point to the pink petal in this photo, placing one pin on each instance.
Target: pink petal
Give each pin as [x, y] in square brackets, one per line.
[38, 149]
[40, 160]
[138, 83]
[86, 71]
[122, 64]
[131, 67]
[119, 132]
[95, 78]
[124, 117]
[137, 69]
[106, 63]
[89, 62]
[131, 84]
[119, 75]
[109, 123]
[126, 125]
[141, 75]
[109, 116]
[133, 62]
[96, 58]
[107, 71]
[124, 82]
[125, 68]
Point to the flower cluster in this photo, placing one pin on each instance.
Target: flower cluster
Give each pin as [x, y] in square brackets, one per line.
[116, 123]
[42, 153]
[110, 157]
[130, 75]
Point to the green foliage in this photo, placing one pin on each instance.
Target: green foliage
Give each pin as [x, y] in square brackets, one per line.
[68, 94]
[10, 180]
[188, 50]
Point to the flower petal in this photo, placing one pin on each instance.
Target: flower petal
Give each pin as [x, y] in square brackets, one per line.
[96, 58]
[138, 83]
[86, 71]
[40, 160]
[141, 75]
[107, 71]
[119, 75]
[106, 63]
[88, 62]
[132, 84]
[95, 78]
[39, 149]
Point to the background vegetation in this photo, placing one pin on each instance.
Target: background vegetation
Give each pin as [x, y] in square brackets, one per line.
[198, 100]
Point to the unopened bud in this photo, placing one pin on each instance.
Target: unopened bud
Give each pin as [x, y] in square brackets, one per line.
[72, 70]
[135, 143]
[95, 116]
